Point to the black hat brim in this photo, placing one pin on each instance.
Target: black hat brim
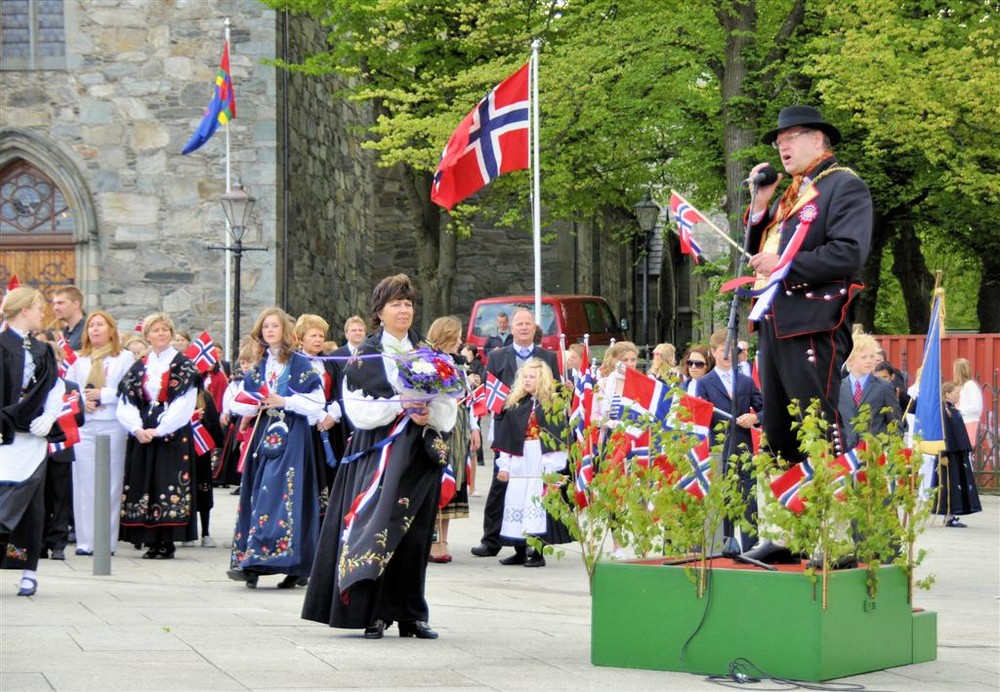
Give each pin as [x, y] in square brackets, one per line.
[832, 132]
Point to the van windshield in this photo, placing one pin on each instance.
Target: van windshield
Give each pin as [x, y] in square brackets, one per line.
[486, 317]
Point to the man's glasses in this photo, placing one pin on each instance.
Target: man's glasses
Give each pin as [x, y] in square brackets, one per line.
[782, 138]
[696, 363]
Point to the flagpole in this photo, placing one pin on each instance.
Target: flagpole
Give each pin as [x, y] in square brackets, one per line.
[714, 227]
[536, 203]
[228, 264]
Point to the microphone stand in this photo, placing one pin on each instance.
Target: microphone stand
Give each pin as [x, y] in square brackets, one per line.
[731, 547]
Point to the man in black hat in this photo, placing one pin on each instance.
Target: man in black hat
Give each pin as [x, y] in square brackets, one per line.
[811, 245]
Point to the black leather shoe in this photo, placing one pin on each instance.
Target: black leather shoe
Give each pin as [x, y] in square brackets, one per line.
[418, 629]
[291, 581]
[151, 554]
[534, 560]
[483, 550]
[515, 559]
[376, 630]
[236, 574]
[772, 554]
[32, 588]
[842, 562]
[58, 553]
[252, 578]
[954, 523]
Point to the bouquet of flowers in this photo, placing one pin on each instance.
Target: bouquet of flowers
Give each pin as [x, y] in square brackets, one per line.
[425, 373]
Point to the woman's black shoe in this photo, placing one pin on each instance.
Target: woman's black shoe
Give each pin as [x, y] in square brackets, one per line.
[252, 578]
[166, 551]
[376, 630]
[418, 629]
[151, 553]
[291, 581]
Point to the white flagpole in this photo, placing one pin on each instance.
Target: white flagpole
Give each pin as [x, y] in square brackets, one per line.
[227, 253]
[536, 202]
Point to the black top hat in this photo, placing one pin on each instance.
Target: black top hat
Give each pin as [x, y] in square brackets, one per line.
[801, 116]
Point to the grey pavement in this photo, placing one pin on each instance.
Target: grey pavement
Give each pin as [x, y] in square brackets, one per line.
[182, 625]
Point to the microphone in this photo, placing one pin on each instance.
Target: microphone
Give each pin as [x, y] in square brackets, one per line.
[765, 176]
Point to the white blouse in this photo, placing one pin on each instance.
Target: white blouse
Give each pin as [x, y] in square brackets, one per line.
[177, 413]
[115, 368]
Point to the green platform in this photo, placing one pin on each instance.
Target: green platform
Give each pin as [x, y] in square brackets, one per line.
[643, 613]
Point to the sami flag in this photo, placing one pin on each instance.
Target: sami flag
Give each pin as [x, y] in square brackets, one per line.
[221, 109]
[496, 393]
[491, 140]
[201, 352]
[686, 217]
[929, 425]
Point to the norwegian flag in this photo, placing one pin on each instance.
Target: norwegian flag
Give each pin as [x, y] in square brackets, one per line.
[67, 419]
[755, 437]
[686, 216]
[253, 398]
[201, 352]
[583, 402]
[139, 327]
[585, 471]
[698, 481]
[496, 393]
[449, 486]
[644, 395]
[203, 442]
[69, 356]
[788, 487]
[491, 140]
[479, 401]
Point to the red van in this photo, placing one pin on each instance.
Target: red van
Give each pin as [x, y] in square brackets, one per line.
[572, 315]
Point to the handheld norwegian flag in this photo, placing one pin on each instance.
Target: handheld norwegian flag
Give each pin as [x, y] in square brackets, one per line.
[686, 216]
[479, 401]
[490, 140]
[69, 356]
[448, 487]
[67, 419]
[201, 352]
[253, 398]
[11, 285]
[203, 442]
[140, 327]
[496, 393]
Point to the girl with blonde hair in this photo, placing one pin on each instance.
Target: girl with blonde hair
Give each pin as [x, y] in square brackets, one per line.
[531, 439]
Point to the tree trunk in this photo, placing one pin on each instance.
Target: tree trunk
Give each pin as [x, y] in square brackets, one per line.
[988, 305]
[739, 21]
[864, 307]
[437, 252]
[916, 281]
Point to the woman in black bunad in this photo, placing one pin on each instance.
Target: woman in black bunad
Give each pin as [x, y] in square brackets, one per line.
[531, 436]
[373, 550]
[310, 334]
[953, 476]
[31, 397]
[277, 521]
[158, 398]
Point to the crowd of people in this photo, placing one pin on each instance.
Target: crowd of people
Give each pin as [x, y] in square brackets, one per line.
[340, 452]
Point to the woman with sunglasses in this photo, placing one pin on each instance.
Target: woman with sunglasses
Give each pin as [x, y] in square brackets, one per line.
[696, 363]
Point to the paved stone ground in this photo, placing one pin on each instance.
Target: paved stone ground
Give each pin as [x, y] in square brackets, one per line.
[182, 625]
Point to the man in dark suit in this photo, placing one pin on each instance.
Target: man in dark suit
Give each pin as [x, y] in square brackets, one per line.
[860, 388]
[717, 387]
[503, 336]
[803, 321]
[504, 363]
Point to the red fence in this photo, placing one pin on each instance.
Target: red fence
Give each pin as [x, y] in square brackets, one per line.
[906, 352]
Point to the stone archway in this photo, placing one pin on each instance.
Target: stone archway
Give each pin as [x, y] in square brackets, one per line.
[65, 255]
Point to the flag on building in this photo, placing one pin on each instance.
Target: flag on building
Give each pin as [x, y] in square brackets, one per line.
[491, 140]
[686, 217]
[221, 109]
[201, 352]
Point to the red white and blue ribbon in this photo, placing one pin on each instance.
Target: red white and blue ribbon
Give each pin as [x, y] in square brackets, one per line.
[367, 497]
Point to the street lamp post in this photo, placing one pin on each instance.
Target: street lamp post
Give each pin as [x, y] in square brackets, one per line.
[647, 213]
[238, 206]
